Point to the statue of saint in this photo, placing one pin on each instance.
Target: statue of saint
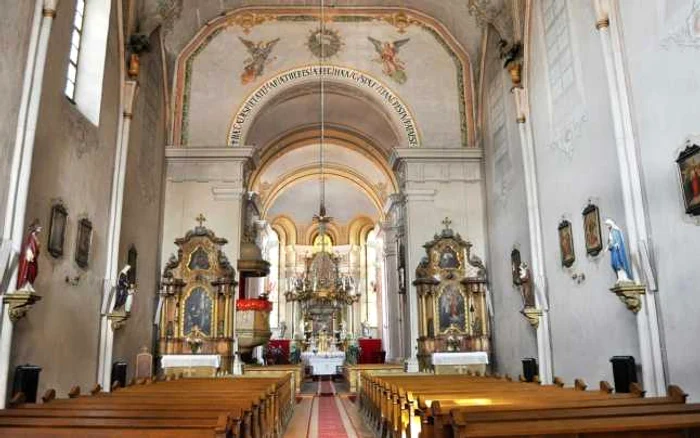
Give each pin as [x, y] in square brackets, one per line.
[130, 298]
[29, 259]
[618, 252]
[525, 281]
[122, 289]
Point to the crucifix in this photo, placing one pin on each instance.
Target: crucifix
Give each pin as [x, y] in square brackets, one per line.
[201, 219]
[447, 222]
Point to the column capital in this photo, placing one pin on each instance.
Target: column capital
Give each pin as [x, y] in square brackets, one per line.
[602, 13]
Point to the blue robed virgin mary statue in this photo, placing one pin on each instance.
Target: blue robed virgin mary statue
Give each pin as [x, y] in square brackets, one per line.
[618, 252]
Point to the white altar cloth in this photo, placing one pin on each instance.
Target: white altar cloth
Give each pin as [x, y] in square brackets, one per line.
[459, 358]
[323, 364]
[190, 360]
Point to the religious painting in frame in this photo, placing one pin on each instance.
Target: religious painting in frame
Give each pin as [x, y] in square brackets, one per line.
[452, 309]
[83, 242]
[57, 229]
[591, 230]
[689, 169]
[199, 307]
[566, 244]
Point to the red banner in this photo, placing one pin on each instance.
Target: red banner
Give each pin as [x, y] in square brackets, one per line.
[261, 305]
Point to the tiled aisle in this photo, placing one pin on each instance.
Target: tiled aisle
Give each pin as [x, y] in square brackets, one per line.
[330, 416]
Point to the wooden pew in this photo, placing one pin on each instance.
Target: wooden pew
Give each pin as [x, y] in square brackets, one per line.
[431, 406]
[238, 408]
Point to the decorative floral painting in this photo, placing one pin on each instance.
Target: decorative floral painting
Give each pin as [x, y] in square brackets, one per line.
[254, 65]
[689, 169]
[388, 52]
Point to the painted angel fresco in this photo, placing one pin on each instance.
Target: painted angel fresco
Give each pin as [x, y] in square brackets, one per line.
[388, 55]
[259, 56]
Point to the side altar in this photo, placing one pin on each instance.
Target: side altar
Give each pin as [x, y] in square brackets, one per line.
[196, 307]
[453, 323]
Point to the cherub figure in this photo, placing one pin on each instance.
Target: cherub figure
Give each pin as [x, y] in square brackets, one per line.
[259, 53]
[388, 52]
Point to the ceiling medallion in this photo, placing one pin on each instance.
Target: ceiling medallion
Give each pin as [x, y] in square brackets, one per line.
[324, 42]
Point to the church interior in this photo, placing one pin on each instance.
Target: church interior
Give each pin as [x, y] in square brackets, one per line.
[349, 218]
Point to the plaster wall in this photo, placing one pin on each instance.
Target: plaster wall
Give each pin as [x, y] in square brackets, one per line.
[15, 32]
[576, 162]
[193, 188]
[662, 46]
[73, 161]
[217, 88]
[507, 216]
[141, 219]
[435, 189]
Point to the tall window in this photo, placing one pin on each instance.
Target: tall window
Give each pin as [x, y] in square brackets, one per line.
[76, 37]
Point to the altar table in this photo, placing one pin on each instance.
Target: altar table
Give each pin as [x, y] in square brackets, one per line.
[460, 362]
[190, 365]
[324, 364]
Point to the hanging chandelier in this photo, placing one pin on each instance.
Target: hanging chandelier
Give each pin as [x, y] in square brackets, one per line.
[322, 289]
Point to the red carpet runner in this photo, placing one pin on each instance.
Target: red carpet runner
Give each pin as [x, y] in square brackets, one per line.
[330, 425]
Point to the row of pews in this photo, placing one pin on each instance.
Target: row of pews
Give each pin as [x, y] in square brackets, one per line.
[442, 406]
[240, 407]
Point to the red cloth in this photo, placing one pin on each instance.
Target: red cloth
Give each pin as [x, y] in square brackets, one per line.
[254, 304]
[28, 261]
[369, 350]
[282, 344]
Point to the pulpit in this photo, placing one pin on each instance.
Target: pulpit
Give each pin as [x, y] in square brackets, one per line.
[453, 319]
[196, 303]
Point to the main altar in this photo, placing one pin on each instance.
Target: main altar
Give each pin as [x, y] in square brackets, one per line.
[453, 319]
[323, 298]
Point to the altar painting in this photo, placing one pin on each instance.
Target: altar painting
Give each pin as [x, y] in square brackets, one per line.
[452, 309]
[198, 310]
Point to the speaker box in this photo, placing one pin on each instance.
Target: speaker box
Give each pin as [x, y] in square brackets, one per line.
[624, 372]
[119, 373]
[530, 369]
[26, 380]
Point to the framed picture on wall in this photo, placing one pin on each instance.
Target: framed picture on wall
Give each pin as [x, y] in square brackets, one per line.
[689, 169]
[83, 242]
[591, 230]
[57, 229]
[566, 244]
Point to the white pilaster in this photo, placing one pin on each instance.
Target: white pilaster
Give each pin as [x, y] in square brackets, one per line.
[653, 373]
[106, 341]
[438, 183]
[21, 166]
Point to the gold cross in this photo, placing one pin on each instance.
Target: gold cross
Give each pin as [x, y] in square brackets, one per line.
[447, 222]
[201, 219]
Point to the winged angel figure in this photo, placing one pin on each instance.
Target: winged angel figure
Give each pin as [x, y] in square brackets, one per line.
[388, 55]
[259, 54]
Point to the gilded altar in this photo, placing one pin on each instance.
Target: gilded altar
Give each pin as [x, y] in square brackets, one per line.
[197, 298]
[451, 288]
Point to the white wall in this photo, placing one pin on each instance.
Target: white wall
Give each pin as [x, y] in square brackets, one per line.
[576, 161]
[663, 60]
[507, 221]
[73, 161]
